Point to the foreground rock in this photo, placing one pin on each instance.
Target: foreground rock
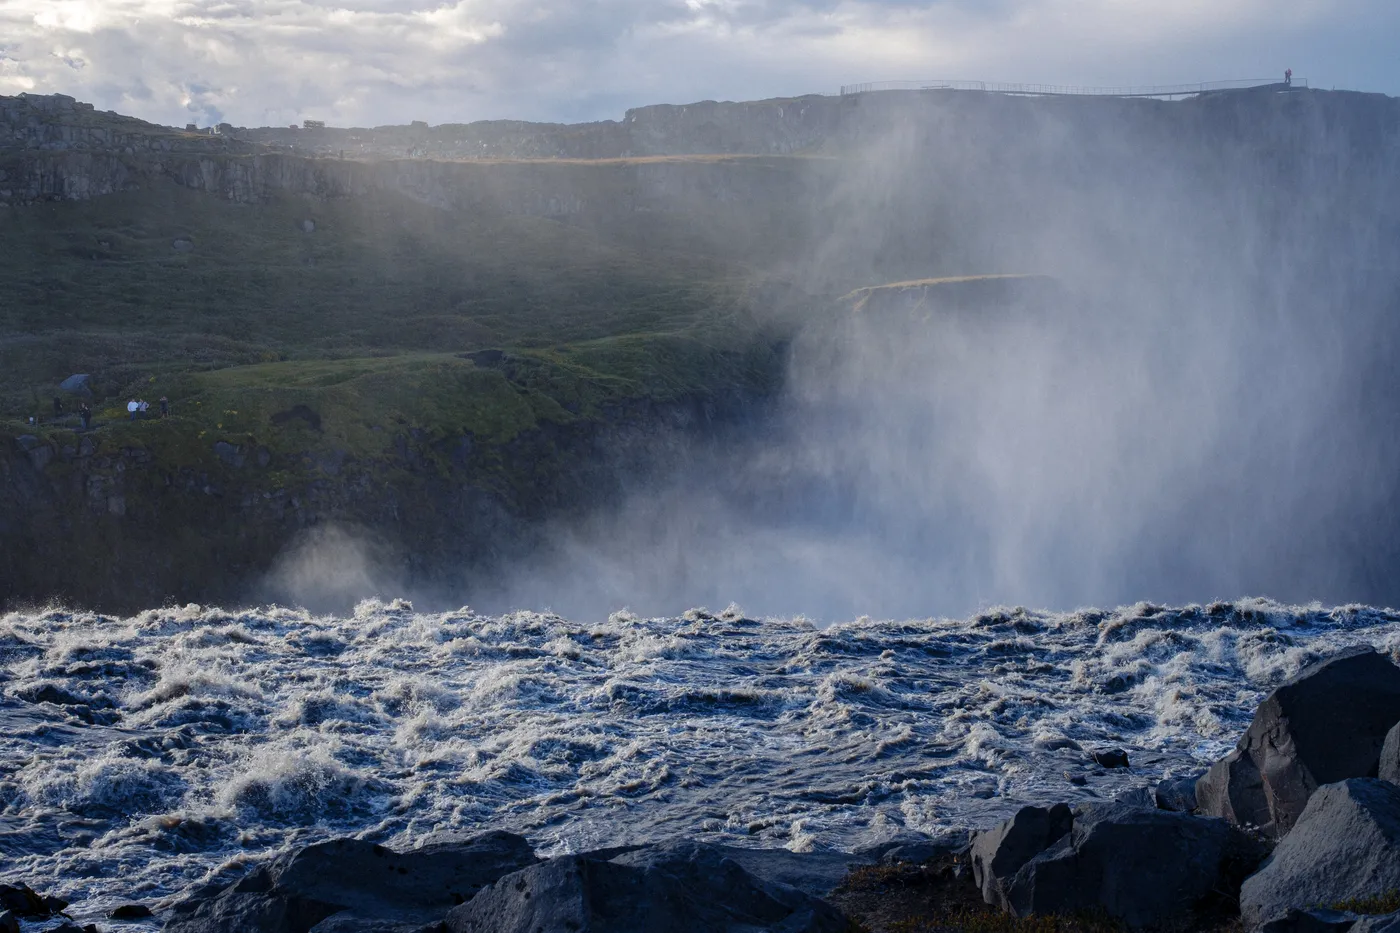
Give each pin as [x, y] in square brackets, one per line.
[1389, 767]
[997, 854]
[24, 902]
[1140, 865]
[1178, 793]
[681, 886]
[353, 885]
[1346, 846]
[1143, 867]
[1325, 725]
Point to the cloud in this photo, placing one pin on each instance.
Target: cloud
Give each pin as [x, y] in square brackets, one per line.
[365, 62]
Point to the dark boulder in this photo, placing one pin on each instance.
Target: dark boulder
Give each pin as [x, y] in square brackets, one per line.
[9, 923]
[682, 886]
[1110, 758]
[23, 901]
[1345, 846]
[1389, 767]
[814, 873]
[130, 912]
[362, 886]
[1178, 793]
[1141, 867]
[925, 850]
[1325, 725]
[1233, 789]
[997, 854]
[1137, 797]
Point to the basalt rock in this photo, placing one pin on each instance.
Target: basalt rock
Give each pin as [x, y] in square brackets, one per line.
[1325, 725]
[682, 886]
[23, 901]
[1110, 758]
[1178, 793]
[997, 854]
[1345, 846]
[351, 884]
[1142, 867]
[1389, 767]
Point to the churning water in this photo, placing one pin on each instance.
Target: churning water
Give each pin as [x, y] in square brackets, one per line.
[140, 757]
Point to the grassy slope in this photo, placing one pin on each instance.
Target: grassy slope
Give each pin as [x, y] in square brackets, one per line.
[361, 320]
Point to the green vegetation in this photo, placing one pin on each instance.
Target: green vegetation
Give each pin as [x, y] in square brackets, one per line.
[361, 310]
[1386, 903]
[439, 378]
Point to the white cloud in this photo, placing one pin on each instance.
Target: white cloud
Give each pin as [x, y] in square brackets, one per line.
[379, 61]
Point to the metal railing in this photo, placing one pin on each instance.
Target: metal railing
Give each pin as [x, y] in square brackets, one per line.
[1159, 90]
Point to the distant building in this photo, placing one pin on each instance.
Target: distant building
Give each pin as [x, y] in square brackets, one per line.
[314, 124]
[191, 127]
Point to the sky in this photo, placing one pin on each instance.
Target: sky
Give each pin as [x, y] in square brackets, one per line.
[372, 62]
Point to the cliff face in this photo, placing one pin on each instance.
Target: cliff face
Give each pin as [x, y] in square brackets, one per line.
[805, 167]
[120, 527]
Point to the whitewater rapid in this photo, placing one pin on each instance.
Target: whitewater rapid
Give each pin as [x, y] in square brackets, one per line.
[143, 756]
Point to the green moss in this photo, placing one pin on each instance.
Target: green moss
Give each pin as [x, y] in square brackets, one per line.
[1386, 903]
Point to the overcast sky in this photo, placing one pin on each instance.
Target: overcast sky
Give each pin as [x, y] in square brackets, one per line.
[368, 62]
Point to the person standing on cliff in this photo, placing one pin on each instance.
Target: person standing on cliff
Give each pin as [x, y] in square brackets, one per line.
[85, 415]
[164, 406]
[1288, 77]
[132, 407]
[57, 408]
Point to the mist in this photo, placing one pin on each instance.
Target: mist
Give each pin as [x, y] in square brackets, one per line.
[1198, 404]
[1191, 397]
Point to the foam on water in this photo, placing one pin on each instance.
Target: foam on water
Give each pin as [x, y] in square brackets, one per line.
[140, 757]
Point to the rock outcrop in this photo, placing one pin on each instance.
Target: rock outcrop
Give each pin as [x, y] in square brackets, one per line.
[1142, 867]
[350, 884]
[684, 886]
[1345, 846]
[997, 854]
[1389, 767]
[1294, 744]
